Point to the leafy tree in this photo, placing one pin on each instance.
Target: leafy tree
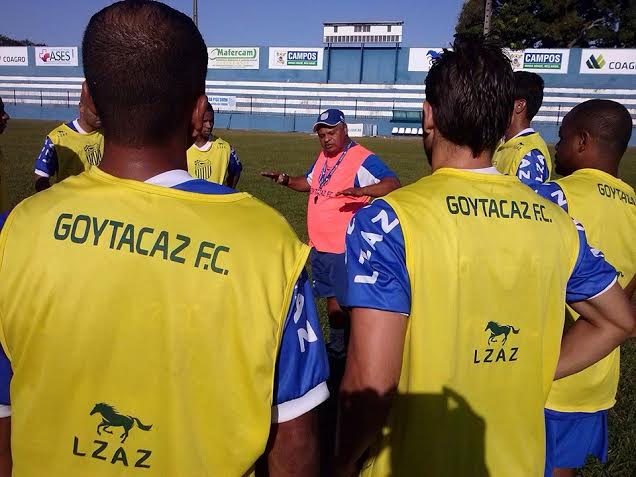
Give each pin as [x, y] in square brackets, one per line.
[522, 24]
[6, 41]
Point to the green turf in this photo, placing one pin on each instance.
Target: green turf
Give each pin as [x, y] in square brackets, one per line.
[294, 153]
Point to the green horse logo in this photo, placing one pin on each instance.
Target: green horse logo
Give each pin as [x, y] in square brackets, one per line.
[111, 418]
[497, 330]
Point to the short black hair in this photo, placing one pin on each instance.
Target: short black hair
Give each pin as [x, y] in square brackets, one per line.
[145, 65]
[529, 86]
[606, 121]
[470, 89]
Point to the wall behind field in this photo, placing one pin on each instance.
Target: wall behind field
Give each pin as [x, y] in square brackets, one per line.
[373, 86]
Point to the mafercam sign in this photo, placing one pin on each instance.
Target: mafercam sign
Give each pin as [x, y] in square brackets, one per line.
[608, 62]
[233, 58]
[281, 58]
[56, 56]
[14, 56]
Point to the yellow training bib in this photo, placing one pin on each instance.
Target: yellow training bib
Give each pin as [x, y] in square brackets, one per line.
[210, 164]
[485, 328]
[508, 156]
[143, 326]
[606, 206]
[76, 152]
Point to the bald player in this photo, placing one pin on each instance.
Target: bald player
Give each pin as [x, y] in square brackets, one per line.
[592, 141]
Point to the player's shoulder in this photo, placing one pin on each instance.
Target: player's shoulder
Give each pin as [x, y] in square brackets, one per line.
[61, 131]
[220, 142]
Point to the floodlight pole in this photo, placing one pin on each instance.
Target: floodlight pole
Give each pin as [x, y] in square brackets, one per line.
[195, 12]
[487, 17]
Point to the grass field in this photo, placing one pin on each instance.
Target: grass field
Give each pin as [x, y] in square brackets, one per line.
[294, 153]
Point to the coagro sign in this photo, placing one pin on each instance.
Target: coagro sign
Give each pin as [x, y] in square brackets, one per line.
[14, 56]
[281, 58]
[233, 58]
[608, 62]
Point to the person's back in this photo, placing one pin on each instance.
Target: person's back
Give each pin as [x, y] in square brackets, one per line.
[462, 309]
[523, 152]
[146, 328]
[146, 279]
[480, 336]
[592, 193]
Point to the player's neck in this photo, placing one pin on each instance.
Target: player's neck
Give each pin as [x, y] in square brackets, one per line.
[516, 127]
[143, 162]
[87, 128]
[201, 141]
[611, 169]
[450, 155]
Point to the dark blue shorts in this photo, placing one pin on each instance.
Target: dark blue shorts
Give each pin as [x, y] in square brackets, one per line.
[572, 436]
[328, 274]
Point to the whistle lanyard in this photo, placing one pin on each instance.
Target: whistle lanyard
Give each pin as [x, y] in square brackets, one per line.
[325, 176]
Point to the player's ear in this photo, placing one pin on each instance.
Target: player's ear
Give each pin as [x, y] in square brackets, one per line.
[196, 121]
[86, 100]
[520, 106]
[585, 140]
[428, 120]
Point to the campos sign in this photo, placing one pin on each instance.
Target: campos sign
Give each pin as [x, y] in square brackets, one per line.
[540, 60]
[240, 58]
[14, 56]
[55, 56]
[421, 59]
[281, 58]
[608, 62]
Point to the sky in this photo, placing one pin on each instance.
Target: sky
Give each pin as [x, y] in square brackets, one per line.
[242, 23]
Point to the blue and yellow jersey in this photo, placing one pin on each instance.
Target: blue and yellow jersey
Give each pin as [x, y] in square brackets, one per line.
[457, 254]
[606, 206]
[69, 150]
[159, 333]
[526, 156]
[214, 161]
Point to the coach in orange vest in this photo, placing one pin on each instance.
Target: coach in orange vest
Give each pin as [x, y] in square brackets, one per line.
[342, 180]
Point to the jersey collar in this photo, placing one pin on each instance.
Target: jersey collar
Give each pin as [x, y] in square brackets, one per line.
[525, 132]
[205, 148]
[170, 178]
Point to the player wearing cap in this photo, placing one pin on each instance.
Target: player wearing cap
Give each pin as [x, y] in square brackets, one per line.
[457, 313]
[524, 153]
[343, 179]
[592, 141]
[211, 158]
[70, 148]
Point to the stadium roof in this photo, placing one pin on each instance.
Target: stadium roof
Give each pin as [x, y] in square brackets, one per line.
[388, 22]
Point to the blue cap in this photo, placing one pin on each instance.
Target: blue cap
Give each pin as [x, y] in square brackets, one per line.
[330, 117]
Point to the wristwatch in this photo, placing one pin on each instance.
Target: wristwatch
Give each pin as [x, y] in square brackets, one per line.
[283, 179]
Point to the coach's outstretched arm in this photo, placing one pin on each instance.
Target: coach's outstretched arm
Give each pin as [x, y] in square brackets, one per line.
[297, 183]
[293, 448]
[605, 322]
[382, 188]
[372, 373]
[6, 464]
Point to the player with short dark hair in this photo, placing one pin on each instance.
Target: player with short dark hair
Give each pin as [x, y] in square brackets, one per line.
[592, 140]
[457, 313]
[155, 332]
[523, 152]
[211, 158]
[70, 148]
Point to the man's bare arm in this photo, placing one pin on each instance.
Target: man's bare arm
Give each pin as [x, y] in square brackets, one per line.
[42, 183]
[372, 374]
[382, 188]
[293, 448]
[605, 322]
[631, 288]
[6, 463]
[297, 183]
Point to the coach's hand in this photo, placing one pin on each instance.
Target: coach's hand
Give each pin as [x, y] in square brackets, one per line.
[353, 192]
[278, 177]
